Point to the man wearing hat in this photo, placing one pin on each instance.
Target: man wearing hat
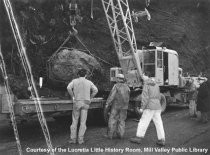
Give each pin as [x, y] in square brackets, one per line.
[118, 101]
[81, 91]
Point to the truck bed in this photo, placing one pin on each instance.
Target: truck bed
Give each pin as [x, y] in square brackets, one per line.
[26, 106]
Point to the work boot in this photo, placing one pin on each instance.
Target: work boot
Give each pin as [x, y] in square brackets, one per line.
[119, 136]
[204, 118]
[106, 136]
[81, 141]
[204, 121]
[136, 140]
[161, 142]
[72, 141]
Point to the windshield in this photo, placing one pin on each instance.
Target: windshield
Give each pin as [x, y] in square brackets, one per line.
[149, 63]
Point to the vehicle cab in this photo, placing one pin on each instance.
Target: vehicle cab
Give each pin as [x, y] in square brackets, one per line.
[158, 62]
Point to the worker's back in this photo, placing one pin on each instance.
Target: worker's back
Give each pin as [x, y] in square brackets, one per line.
[82, 88]
[122, 96]
[151, 95]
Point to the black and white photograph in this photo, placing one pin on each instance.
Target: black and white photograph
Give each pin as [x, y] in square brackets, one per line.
[104, 77]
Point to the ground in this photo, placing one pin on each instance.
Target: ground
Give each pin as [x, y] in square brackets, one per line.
[182, 133]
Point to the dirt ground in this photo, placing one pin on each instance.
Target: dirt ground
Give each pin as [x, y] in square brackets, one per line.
[183, 136]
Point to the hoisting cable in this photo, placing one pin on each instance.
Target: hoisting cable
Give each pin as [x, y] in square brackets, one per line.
[10, 102]
[65, 41]
[91, 15]
[91, 53]
[147, 2]
[29, 75]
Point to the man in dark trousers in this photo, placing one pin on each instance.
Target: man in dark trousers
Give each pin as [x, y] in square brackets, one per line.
[118, 101]
[81, 91]
[203, 100]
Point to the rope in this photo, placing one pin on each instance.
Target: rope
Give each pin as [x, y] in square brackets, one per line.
[29, 75]
[65, 41]
[76, 36]
[87, 50]
[10, 102]
[91, 9]
[91, 53]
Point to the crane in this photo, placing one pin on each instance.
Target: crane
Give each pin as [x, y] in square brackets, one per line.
[160, 63]
[121, 27]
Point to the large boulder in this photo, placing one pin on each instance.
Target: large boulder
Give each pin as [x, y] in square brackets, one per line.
[65, 64]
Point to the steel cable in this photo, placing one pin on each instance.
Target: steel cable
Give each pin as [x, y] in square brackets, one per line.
[27, 68]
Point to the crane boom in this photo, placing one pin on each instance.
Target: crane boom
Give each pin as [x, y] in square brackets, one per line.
[120, 24]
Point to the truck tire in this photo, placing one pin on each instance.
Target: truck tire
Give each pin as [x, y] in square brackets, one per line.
[163, 103]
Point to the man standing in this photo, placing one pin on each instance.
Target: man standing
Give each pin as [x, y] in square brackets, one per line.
[192, 97]
[203, 100]
[151, 108]
[81, 91]
[118, 101]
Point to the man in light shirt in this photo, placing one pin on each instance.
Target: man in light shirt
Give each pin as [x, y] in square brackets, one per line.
[82, 91]
[151, 110]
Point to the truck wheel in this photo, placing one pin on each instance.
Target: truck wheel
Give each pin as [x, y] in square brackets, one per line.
[163, 103]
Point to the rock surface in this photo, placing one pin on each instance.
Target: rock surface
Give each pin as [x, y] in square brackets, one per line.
[65, 64]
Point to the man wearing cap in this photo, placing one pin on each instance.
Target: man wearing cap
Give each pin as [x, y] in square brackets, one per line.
[151, 110]
[118, 101]
[82, 91]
